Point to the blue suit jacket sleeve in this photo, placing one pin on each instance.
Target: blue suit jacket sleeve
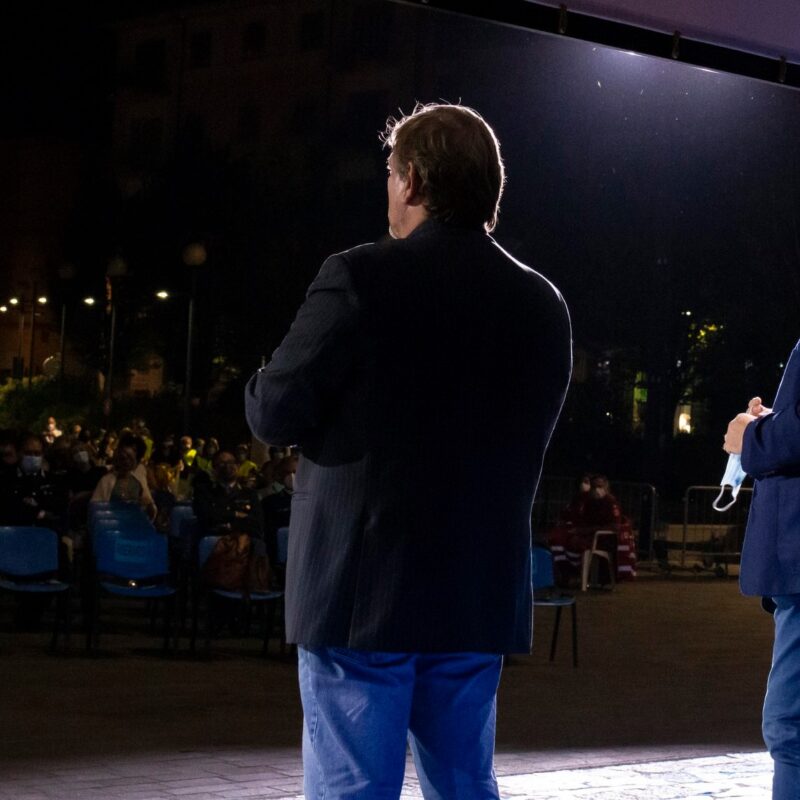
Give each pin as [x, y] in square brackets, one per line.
[772, 443]
[286, 401]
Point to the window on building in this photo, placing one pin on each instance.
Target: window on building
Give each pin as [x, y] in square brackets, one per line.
[249, 122]
[312, 30]
[254, 40]
[151, 63]
[145, 141]
[200, 46]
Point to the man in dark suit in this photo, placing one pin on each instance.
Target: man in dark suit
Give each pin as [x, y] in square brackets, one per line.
[402, 593]
[769, 441]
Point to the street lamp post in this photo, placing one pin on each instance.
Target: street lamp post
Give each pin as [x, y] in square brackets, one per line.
[116, 269]
[194, 256]
[66, 272]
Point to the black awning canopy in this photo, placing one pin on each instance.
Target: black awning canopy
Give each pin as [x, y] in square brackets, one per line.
[759, 40]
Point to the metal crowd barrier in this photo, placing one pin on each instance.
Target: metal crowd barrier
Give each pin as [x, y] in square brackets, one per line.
[639, 502]
[713, 539]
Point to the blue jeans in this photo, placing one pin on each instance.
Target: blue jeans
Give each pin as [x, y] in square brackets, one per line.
[360, 709]
[781, 725]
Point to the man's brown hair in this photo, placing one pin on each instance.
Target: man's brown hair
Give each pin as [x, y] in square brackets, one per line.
[457, 158]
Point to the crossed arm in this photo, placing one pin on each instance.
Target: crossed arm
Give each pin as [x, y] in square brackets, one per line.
[286, 401]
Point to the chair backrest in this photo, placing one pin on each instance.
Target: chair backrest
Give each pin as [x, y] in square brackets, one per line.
[108, 519]
[131, 553]
[182, 521]
[604, 534]
[204, 548]
[28, 551]
[283, 545]
[541, 568]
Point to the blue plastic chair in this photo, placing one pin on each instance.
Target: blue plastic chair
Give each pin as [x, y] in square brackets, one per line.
[178, 519]
[204, 550]
[99, 509]
[29, 565]
[545, 594]
[283, 545]
[130, 563]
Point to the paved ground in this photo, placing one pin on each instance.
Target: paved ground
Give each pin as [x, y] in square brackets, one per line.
[665, 704]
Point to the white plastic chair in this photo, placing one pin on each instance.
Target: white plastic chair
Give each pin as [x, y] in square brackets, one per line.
[596, 554]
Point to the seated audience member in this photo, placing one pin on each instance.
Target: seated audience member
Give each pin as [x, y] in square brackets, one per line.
[277, 505]
[166, 452]
[8, 457]
[126, 483]
[106, 447]
[575, 509]
[51, 431]
[82, 476]
[574, 535]
[30, 496]
[244, 465]
[205, 456]
[163, 481]
[224, 505]
[187, 451]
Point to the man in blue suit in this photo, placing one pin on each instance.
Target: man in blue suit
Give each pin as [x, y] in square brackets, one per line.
[404, 588]
[769, 441]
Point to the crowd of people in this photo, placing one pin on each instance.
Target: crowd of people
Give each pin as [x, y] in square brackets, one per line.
[48, 479]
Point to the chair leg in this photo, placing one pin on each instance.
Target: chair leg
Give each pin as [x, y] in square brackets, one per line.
[269, 621]
[195, 615]
[57, 622]
[586, 566]
[209, 618]
[169, 612]
[574, 635]
[555, 633]
[93, 621]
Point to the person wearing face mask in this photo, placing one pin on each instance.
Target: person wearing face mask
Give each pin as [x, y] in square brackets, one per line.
[81, 478]
[31, 496]
[224, 505]
[599, 511]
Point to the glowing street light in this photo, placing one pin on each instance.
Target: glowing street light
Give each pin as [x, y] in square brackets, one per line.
[162, 294]
[90, 301]
[14, 301]
[3, 309]
[42, 300]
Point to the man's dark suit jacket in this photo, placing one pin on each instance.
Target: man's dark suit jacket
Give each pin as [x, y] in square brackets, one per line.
[771, 455]
[422, 378]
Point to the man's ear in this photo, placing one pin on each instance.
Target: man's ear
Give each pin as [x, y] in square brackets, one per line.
[412, 195]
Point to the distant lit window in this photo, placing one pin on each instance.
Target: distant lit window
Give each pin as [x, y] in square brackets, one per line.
[312, 30]
[254, 40]
[683, 419]
[200, 46]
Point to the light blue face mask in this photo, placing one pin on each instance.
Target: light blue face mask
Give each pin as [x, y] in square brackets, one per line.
[30, 465]
[733, 478]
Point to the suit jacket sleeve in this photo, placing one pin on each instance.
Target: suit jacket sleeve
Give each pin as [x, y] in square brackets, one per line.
[772, 443]
[286, 401]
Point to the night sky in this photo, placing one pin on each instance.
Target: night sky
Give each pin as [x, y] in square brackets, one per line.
[643, 188]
